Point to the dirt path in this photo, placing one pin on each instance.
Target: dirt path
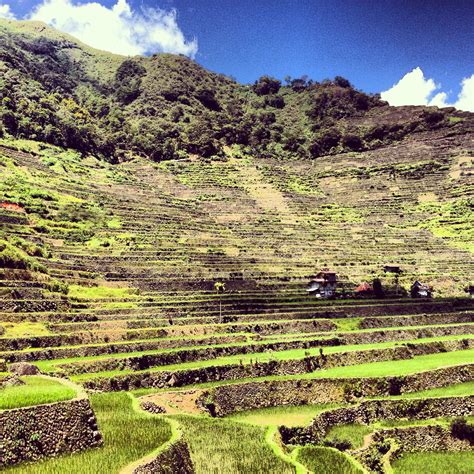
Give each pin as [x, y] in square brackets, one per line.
[176, 402]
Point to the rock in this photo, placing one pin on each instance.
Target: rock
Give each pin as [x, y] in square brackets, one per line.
[11, 381]
[24, 368]
[152, 407]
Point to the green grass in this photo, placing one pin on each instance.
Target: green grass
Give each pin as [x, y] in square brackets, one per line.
[223, 446]
[93, 292]
[435, 463]
[374, 369]
[25, 329]
[458, 390]
[326, 461]
[400, 367]
[128, 436]
[354, 433]
[36, 391]
[283, 415]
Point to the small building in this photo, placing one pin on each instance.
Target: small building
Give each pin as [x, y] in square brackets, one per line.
[420, 290]
[364, 290]
[470, 290]
[323, 285]
[392, 269]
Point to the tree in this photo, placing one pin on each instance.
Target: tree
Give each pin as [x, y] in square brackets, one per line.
[266, 85]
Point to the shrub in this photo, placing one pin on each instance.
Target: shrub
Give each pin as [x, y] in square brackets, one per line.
[461, 429]
[266, 85]
[353, 142]
[275, 101]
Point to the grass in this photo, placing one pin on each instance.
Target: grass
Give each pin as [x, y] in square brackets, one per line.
[128, 436]
[25, 329]
[374, 369]
[36, 391]
[223, 446]
[96, 292]
[354, 433]
[401, 367]
[284, 415]
[435, 463]
[326, 461]
[458, 390]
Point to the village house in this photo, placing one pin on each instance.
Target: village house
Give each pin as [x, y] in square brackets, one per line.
[420, 290]
[364, 290]
[323, 285]
[470, 290]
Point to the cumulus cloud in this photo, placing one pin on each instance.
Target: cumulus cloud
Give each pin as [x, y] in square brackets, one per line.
[412, 89]
[5, 12]
[118, 29]
[466, 96]
[415, 89]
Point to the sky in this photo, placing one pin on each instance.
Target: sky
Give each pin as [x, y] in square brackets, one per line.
[414, 52]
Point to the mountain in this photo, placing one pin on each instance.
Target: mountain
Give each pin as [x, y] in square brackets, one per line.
[57, 90]
[154, 173]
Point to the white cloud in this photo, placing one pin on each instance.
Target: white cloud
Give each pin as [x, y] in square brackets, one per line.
[466, 96]
[5, 12]
[118, 29]
[414, 89]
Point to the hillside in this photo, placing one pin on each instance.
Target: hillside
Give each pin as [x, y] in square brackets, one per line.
[159, 225]
[57, 90]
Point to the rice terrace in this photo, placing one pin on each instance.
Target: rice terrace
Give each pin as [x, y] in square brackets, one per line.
[201, 276]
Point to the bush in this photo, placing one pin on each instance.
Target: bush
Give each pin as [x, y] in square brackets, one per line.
[275, 101]
[352, 142]
[462, 430]
[266, 85]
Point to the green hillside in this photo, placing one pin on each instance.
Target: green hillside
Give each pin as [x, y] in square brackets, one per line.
[129, 187]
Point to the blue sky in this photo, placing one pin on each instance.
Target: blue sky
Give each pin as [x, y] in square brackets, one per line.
[372, 43]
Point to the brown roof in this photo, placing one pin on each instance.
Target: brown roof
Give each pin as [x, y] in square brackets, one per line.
[364, 287]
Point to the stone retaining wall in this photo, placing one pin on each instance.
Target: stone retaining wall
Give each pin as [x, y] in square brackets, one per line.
[226, 399]
[33, 433]
[371, 411]
[310, 363]
[175, 459]
[402, 440]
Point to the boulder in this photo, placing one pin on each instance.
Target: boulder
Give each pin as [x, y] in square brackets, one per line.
[23, 368]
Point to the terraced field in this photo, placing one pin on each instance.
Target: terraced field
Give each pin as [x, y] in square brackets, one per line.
[108, 281]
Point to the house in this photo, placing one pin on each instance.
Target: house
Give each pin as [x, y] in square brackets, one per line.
[392, 269]
[364, 289]
[420, 290]
[323, 285]
[470, 290]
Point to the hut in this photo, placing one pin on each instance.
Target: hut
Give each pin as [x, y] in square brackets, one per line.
[323, 285]
[364, 290]
[470, 290]
[392, 269]
[420, 290]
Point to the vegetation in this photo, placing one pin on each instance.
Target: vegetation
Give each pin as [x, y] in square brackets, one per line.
[35, 391]
[128, 436]
[218, 442]
[435, 462]
[352, 434]
[326, 460]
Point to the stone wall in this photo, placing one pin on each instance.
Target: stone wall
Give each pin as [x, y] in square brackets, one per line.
[29, 434]
[179, 378]
[226, 399]
[375, 456]
[175, 459]
[371, 411]
[144, 362]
